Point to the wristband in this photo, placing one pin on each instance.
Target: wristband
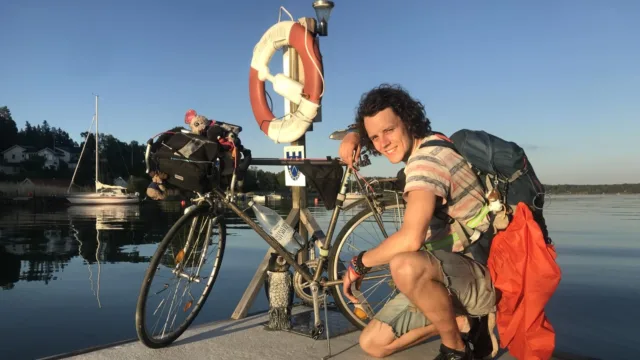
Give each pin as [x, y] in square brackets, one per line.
[358, 266]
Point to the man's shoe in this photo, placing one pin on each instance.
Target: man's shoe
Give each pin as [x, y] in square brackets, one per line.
[450, 354]
[483, 338]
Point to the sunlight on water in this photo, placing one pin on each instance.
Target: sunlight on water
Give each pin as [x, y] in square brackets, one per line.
[75, 272]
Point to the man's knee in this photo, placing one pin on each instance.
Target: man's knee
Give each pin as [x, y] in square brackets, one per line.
[410, 267]
[375, 337]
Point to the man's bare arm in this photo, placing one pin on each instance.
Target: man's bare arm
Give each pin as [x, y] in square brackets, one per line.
[349, 150]
[420, 207]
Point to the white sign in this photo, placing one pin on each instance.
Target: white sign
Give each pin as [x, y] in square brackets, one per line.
[292, 175]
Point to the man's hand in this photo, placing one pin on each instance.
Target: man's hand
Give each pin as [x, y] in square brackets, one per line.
[350, 148]
[349, 278]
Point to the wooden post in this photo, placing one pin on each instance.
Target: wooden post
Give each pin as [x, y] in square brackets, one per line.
[291, 66]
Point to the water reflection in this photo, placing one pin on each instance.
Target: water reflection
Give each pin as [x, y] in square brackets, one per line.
[33, 254]
[108, 217]
[38, 246]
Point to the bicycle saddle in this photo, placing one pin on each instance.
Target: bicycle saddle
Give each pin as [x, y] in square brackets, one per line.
[340, 134]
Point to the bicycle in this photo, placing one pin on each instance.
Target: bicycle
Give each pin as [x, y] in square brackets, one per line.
[206, 216]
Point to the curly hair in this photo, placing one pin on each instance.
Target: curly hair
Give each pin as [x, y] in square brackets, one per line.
[410, 111]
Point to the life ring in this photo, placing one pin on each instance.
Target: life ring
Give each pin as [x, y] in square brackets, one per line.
[307, 96]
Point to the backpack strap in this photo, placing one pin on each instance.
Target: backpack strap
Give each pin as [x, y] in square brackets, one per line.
[442, 141]
[465, 234]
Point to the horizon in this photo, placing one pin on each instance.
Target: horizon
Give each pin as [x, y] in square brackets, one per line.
[555, 78]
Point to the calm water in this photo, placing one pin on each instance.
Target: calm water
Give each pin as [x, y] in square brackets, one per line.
[70, 276]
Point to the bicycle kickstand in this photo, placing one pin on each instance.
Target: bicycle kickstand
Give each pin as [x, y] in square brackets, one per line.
[326, 325]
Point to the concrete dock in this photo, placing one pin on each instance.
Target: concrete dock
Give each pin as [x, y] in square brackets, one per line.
[248, 339]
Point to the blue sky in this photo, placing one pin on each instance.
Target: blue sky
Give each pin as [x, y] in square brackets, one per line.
[560, 78]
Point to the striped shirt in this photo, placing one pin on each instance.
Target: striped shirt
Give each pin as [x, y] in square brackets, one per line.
[448, 175]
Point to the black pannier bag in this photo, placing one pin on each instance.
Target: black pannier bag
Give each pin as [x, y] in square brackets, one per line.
[188, 160]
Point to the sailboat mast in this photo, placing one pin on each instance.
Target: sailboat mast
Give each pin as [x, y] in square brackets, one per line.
[97, 143]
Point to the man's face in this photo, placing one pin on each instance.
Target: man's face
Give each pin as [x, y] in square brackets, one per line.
[389, 135]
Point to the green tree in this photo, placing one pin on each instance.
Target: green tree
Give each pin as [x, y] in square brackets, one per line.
[8, 129]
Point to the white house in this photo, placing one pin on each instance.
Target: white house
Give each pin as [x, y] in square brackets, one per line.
[51, 159]
[70, 156]
[63, 154]
[13, 156]
[17, 154]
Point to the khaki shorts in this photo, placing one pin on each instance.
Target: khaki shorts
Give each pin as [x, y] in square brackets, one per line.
[468, 282]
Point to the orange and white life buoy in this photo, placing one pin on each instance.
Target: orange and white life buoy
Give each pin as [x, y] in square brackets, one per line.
[307, 96]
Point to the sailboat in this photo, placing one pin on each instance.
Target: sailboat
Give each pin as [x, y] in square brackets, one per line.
[104, 194]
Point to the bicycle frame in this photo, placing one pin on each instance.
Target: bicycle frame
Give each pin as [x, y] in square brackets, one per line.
[312, 278]
[325, 245]
[325, 242]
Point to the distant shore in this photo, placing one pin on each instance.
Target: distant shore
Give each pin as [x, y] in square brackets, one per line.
[593, 189]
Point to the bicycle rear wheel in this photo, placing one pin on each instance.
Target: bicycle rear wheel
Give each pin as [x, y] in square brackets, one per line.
[193, 245]
[360, 233]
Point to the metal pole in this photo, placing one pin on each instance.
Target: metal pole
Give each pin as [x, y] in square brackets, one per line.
[298, 193]
[97, 155]
[81, 152]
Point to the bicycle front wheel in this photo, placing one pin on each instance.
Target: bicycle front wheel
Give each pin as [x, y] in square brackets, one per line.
[364, 232]
[185, 264]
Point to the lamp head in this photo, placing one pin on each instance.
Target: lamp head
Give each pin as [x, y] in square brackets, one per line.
[323, 12]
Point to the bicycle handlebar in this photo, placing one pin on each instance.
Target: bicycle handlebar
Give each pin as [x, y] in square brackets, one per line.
[276, 161]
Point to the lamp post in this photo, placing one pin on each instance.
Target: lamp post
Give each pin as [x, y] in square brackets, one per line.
[280, 280]
[291, 66]
[323, 12]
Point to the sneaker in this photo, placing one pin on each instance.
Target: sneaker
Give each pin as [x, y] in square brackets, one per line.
[450, 354]
[483, 338]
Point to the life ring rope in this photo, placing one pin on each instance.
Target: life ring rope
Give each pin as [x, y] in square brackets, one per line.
[306, 47]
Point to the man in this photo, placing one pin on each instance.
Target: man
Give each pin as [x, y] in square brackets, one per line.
[439, 290]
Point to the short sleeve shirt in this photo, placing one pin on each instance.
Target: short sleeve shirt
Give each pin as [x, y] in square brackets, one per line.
[448, 175]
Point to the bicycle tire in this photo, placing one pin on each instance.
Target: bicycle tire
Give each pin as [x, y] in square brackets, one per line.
[151, 270]
[336, 290]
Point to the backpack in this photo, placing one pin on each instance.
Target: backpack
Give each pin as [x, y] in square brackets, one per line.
[502, 166]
